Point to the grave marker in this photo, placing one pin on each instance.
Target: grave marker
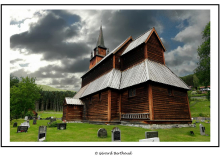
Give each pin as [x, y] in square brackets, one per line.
[191, 132]
[116, 134]
[202, 129]
[38, 117]
[34, 121]
[22, 129]
[102, 133]
[15, 124]
[151, 134]
[52, 120]
[25, 124]
[42, 133]
[61, 126]
[26, 118]
[155, 139]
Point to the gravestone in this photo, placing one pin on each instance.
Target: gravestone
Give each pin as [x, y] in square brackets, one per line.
[22, 129]
[102, 133]
[61, 126]
[25, 124]
[151, 134]
[52, 120]
[42, 133]
[155, 139]
[202, 129]
[26, 118]
[38, 117]
[15, 124]
[191, 132]
[34, 121]
[116, 134]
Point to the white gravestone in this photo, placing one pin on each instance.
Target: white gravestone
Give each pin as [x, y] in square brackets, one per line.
[155, 139]
[26, 118]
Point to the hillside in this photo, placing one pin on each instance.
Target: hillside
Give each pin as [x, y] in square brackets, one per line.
[48, 88]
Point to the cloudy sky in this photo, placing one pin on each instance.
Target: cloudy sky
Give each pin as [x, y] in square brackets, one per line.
[55, 45]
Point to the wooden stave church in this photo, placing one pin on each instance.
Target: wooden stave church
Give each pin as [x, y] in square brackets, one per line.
[130, 84]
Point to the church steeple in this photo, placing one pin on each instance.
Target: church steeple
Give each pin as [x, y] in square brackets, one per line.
[99, 51]
[100, 42]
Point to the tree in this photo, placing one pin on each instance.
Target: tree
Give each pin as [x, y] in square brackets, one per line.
[203, 69]
[195, 81]
[23, 97]
[13, 81]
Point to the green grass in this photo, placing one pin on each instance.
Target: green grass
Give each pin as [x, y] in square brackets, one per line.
[45, 114]
[48, 88]
[200, 108]
[84, 132]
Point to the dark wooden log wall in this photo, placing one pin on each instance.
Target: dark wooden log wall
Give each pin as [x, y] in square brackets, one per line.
[118, 60]
[95, 73]
[136, 104]
[102, 51]
[114, 105]
[155, 49]
[168, 107]
[97, 110]
[133, 57]
[64, 112]
[74, 113]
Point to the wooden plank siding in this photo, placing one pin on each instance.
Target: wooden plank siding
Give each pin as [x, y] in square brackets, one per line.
[64, 112]
[136, 104]
[155, 50]
[97, 110]
[133, 57]
[74, 113]
[115, 105]
[166, 107]
[97, 72]
[118, 60]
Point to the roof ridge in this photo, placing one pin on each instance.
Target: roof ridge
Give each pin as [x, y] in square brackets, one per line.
[142, 34]
[106, 56]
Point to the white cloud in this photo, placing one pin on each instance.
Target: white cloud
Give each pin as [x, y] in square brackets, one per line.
[191, 36]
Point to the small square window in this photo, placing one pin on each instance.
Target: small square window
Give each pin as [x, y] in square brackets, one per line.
[132, 92]
[170, 92]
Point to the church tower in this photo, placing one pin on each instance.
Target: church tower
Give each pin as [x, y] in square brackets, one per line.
[99, 51]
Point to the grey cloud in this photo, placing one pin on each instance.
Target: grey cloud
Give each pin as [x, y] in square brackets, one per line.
[16, 60]
[48, 36]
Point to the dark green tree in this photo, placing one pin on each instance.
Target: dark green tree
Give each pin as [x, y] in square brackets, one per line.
[23, 97]
[203, 69]
[13, 80]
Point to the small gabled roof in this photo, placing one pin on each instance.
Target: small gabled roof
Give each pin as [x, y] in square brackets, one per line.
[73, 101]
[110, 53]
[142, 39]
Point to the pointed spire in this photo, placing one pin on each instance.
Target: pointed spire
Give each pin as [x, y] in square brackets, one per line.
[100, 42]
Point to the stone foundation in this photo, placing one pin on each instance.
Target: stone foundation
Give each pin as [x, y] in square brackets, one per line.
[160, 126]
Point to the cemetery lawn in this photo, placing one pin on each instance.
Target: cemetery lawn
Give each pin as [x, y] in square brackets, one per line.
[45, 114]
[200, 108]
[85, 132]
